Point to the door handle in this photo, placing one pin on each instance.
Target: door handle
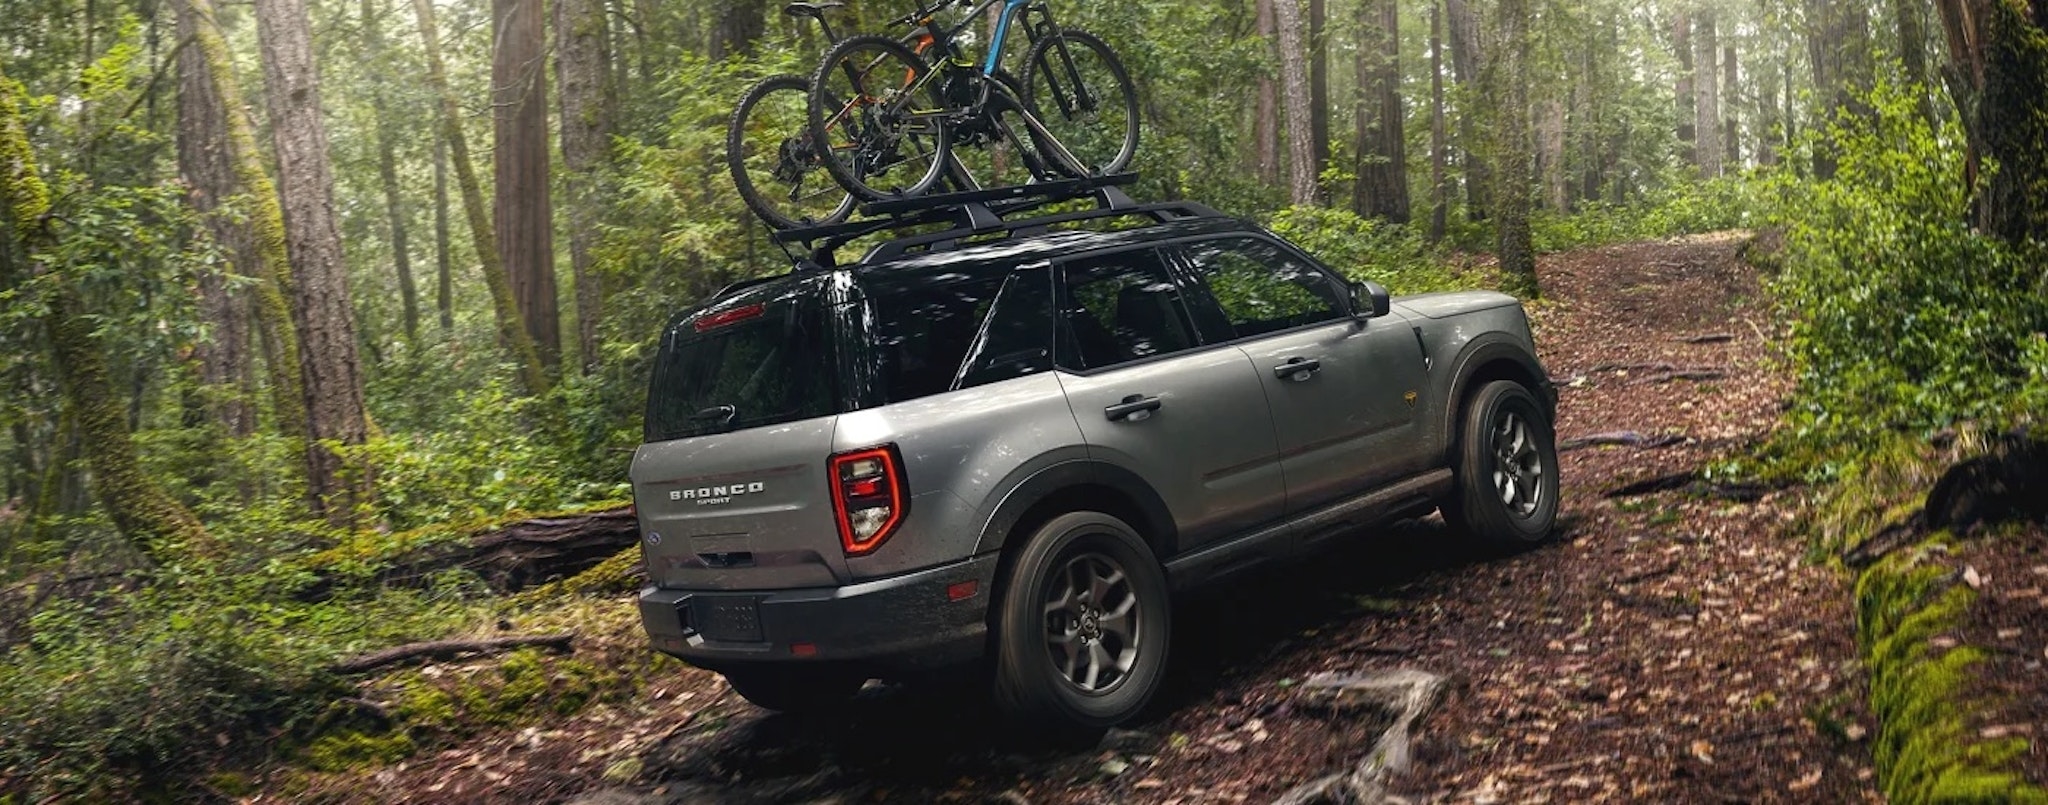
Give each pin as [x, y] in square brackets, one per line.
[1135, 408]
[1297, 369]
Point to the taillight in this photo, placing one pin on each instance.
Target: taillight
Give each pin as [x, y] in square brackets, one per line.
[868, 495]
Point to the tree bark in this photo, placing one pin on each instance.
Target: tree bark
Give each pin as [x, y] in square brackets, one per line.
[738, 26]
[1462, 25]
[1380, 145]
[1550, 154]
[1509, 85]
[1838, 48]
[444, 271]
[209, 174]
[1266, 117]
[583, 69]
[1998, 75]
[331, 371]
[150, 518]
[264, 229]
[1439, 202]
[519, 124]
[1731, 131]
[1681, 45]
[1910, 16]
[512, 334]
[1707, 106]
[1319, 91]
[387, 170]
[1301, 158]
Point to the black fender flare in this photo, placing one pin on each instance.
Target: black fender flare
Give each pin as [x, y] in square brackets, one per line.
[1484, 350]
[1158, 526]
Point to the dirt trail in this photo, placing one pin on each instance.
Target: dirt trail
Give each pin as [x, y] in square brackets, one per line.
[1669, 647]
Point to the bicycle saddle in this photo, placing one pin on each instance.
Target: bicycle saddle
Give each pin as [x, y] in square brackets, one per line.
[817, 10]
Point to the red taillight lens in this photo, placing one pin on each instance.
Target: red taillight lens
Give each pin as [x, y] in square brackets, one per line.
[725, 317]
[868, 495]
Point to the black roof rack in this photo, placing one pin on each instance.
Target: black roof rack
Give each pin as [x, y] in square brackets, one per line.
[980, 212]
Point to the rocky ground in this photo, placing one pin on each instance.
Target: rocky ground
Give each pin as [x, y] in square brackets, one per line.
[1673, 645]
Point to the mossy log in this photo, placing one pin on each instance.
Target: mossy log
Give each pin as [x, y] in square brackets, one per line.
[446, 650]
[511, 556]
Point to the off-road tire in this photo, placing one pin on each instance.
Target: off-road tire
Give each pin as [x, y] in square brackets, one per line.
[1505, 489]
[1031, 685]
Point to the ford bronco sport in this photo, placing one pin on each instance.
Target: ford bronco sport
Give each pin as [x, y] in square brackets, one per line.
[1013, 439]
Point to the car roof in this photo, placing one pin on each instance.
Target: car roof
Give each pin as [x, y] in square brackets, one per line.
[1032, 247]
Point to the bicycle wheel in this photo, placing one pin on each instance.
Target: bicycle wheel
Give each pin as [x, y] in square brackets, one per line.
[1076, 86]
[882, 124]
[768, 148]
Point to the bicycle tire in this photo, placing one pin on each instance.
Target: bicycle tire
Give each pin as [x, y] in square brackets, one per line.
[1048, 82]
[864, 146]
[767, 139]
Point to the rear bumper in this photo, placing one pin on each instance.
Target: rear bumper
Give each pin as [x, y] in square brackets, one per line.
[905, 622]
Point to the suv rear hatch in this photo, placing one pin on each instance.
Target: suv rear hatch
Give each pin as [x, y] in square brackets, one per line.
[730, 484]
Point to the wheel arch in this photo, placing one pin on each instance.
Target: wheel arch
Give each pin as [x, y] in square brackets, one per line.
[1486, 359]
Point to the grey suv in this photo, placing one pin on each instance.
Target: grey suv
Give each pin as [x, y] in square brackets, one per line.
[1012, 441]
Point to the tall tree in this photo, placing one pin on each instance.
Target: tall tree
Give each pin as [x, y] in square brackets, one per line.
[387, 167]
[512, 334]
[331, 371]
[1911, 18]
[204, 165]
[1462, 25]
[1301, 156]
[1681, 46]
[1266, 114]
[1380, 145]
[1507, 84]
[522, 209]
[150, 518]
[271, 263]
[1439, 203]
[583, 69]
[1319, 89]
[1998, 76]
[1731, 130]
[1707, 96]
[444, 270]
[736, 26]
[1838, 48]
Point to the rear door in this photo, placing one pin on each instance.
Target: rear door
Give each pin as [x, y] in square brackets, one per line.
[1343, 391]
[730, 485]
[1190, 419]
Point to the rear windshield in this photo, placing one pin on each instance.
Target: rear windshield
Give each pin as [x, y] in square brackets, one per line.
[746, 362]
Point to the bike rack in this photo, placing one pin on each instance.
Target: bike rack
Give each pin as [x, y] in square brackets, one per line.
[971, 213]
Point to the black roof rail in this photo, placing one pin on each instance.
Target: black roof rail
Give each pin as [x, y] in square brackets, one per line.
[979, 212]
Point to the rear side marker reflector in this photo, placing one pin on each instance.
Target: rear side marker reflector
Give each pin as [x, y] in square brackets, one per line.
[961, 591]
[803, 649]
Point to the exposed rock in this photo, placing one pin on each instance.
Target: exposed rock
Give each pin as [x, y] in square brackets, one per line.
[1399, 699]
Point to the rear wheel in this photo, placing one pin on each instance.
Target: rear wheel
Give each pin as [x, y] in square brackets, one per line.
[1507, 468]
[795, 689]
[768, 148]
[881, 126]
[1085, 621]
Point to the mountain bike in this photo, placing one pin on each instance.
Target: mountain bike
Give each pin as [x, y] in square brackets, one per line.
[888, 118]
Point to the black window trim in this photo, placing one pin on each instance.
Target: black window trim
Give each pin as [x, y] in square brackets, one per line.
[1184, 265]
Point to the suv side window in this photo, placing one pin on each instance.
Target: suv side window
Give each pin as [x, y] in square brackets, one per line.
[1016, 338]
[1261, 288]
[1119, 307]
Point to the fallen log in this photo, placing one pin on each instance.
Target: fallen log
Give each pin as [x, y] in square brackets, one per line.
[1707, 338]
[1619, 438]
[1684, 374]
[508, 556]
[448, 650]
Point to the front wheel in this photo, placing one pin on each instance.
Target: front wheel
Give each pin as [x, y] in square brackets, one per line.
[1084, 625]
[1077, 87]
[880, 125]
[1507, 468]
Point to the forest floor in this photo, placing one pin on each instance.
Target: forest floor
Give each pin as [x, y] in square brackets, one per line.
[1671, 646]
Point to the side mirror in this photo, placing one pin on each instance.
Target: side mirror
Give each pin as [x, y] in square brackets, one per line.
[1370, 300]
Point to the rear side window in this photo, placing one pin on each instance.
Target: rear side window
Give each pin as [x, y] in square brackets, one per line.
[937, 331]
[745, 363]
[1117, 308]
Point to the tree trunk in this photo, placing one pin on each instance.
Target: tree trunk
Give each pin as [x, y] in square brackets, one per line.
[332, 372]
[1462, 24]
[1681, 45]
[1509, 88]
[1550, 154]
[444, 271]
[1301, 158]
[1838, 47]
[209, 174]
[1910, 16]
[1266, 117]
[264, 231]
[739, 25]
[1731, 131]
[519, 124]
[1382, 158]
[153, 520]
[512, 332]
[387, 170]
[1767, 119]
[1319, 91]
[1707, 109]
[1998, 74]
[1439, 202]
[583, 68]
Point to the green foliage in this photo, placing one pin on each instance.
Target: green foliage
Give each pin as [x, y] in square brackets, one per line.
[1680, 207]
[1907, 319]
[1368, 249]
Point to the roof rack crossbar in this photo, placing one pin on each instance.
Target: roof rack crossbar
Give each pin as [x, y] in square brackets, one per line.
[1162, 211]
